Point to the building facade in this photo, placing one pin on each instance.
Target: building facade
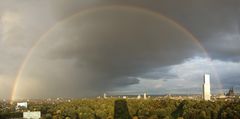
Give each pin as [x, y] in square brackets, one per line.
[206, 87]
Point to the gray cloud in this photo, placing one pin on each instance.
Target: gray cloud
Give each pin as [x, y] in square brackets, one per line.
[189, 76]
[104, 48]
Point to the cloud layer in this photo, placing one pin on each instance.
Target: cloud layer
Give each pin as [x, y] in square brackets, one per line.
[187, 77]
[104, 48]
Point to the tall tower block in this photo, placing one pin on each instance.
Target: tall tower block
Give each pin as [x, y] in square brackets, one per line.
[144, 95]
[104, 95]
[206, 87]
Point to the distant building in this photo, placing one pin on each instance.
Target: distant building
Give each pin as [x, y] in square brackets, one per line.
[124, 97]
[21, 105]
[220, 96]
[104, 95]
[139, 97]
[206, 87]
[32, 115]
[145, 96]
[230, 92]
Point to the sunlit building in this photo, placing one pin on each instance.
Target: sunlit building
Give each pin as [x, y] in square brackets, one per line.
[145, 96]
[104, 95]
[206, 87]
[21, 105]
[139, 97]
[32, 115]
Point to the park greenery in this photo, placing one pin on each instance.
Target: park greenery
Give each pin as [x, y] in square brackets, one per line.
[128, 109]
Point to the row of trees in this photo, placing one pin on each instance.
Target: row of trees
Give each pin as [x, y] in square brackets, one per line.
[131, 108]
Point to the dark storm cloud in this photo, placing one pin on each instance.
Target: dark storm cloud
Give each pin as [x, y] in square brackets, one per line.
[159, 73]
[215, 23]
[105, 48]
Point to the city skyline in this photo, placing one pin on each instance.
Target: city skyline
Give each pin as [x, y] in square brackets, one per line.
[81, 48]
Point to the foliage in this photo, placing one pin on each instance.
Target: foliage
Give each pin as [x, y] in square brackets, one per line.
[129, 108]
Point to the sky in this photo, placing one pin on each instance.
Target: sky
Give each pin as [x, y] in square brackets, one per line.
[79, 48]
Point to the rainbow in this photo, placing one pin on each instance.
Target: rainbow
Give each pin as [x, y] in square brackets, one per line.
[94, 9]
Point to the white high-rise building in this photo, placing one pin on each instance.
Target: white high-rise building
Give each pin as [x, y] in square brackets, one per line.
[206, 87]
[104, 95]
[144, 95]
